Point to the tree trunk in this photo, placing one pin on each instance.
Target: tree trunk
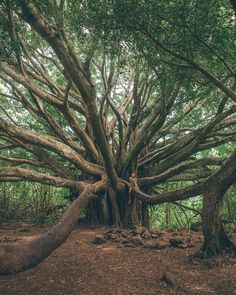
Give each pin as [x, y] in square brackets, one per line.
[16, 257]
[98, 211]
[167, 215]
[215, 237]
[130, 210]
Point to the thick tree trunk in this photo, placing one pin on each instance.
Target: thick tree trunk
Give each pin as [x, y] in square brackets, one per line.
[98, 211]
[17, 257]
[130, 210]
[215, 237]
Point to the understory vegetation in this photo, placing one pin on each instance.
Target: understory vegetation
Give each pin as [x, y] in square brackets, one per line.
[33, 203]
[40, 204]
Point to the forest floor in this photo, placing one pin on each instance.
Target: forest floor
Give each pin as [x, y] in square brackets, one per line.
[80, 267]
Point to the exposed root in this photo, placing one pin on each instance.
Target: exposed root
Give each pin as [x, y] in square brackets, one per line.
[210, 250]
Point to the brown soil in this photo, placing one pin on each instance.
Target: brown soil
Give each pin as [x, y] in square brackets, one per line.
[80, 267]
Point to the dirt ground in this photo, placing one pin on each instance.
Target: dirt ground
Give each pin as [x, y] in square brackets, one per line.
[80, 267]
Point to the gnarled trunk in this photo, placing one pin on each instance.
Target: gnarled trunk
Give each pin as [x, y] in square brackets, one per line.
[99, 211]
[215, 187]
[130, 210]
[17, 257]
[215, 237]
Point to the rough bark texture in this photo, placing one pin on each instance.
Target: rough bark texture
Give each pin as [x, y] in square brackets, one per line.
[131, 211]
[215, 237]
[216, 240]
[213, 190]
[17, 257]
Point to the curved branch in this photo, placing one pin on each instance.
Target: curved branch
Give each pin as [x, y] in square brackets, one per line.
[167, 197]
[50, 162]
[50, 143]
[19, 161]
[188, 208]
[56, 128]
[179, 169]
[74, 68]
[16, 257]
[223, 177]
[28, 83]
[26, 174]
[187, 145]
[56, 101]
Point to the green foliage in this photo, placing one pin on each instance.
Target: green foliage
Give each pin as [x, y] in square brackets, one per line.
[6, 44]
[229, 208]
[173, 216]
[31, 202]
[179, 24]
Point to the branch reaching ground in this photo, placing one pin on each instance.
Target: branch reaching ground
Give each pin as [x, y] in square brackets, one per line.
[17, 257]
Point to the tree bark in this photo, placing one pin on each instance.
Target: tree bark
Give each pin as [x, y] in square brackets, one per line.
[98, 211]
[16, 257]
[215, 238]
[215, 187]
[130, 210]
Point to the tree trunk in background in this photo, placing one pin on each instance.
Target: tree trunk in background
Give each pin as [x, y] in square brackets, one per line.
[215, 237]
[167, 215]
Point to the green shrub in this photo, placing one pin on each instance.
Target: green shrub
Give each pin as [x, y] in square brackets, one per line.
[31, 202]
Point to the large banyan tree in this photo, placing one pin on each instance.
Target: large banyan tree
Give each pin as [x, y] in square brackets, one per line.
[114, 100]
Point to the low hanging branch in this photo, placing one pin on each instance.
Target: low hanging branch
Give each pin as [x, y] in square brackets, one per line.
[29, 175]
[16, 257]
[167, 197]
[225, 176]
